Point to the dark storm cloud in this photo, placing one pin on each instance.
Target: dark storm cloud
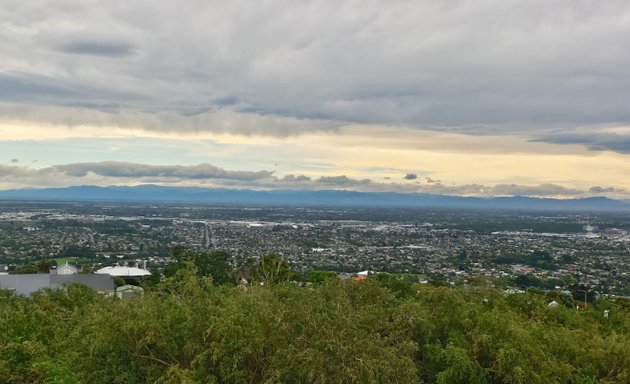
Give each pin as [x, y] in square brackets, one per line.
[476, 66]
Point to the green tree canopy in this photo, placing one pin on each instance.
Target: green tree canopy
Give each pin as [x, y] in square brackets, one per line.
[379, 330]
[273, 269]
[214, 263]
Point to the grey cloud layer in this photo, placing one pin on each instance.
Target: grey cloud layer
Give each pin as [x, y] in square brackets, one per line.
[594, 141]
[225, 119]
[110, 49]
[523, 64]
[112, 170]
[108, 173]
[134, 170]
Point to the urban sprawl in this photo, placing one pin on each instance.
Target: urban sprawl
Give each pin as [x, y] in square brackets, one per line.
[539, 250]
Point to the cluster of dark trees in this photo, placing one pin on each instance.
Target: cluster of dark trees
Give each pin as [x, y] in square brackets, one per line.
[41, 266]
[187, 329]
[537, 258]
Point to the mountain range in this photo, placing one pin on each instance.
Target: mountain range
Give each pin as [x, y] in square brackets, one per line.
[337, 198]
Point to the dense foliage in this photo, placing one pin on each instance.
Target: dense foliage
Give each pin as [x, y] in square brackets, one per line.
[188, 330]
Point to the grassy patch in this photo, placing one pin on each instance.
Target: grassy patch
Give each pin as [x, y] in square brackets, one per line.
[63, 260]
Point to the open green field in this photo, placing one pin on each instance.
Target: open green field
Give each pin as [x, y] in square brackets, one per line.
[63, 260]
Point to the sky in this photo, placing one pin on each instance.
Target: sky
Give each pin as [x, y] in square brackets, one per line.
[473, 98]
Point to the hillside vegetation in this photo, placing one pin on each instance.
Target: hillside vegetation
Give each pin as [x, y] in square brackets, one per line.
[187, 330]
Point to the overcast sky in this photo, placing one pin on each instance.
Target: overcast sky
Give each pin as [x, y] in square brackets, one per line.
[484, 97]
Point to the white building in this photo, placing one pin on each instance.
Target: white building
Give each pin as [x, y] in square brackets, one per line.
[123, 271]
[67, 269]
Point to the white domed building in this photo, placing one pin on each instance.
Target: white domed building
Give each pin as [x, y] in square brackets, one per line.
[118, 271]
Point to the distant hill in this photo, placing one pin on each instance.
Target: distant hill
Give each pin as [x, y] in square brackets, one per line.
[154, 193]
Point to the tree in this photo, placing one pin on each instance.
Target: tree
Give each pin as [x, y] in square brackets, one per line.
[26, 269]
[273, 269]
[215, 264]
[320, 277]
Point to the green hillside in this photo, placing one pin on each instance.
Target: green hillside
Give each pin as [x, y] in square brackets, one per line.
[187, 330]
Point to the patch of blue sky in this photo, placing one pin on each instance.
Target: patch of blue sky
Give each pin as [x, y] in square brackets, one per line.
[134, 149]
